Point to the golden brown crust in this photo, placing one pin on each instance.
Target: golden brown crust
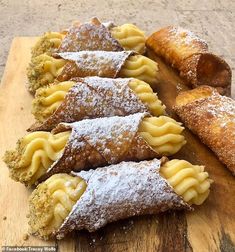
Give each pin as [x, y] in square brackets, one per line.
[102, 141]
[212, 117]
[189, 54]
[94, 97]
[93, 63]
[89, 36]
[125, 199]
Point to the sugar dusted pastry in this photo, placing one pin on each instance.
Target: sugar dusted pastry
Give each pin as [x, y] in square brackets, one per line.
[93, 143]
[123, 64]
[92, 97]
[189, 54]
[64, 203]
[45, 70]
[91, 36]
[211, 116]
[95, 36]
[48, 43]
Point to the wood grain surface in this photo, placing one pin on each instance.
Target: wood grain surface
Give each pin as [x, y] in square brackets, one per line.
[211, 227]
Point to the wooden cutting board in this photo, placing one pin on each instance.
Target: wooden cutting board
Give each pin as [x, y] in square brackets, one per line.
[211, 227]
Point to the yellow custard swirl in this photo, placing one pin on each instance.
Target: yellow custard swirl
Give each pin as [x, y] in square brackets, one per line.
[43, 70]
[48, 43]
[52, 201]
[48, 99]
[163, 134]
[130, 37]
[140, 67]
[189, 181]
[147, 96]
[34, 154]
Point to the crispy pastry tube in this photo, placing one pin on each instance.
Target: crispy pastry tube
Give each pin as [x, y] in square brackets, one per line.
[89, 36]
[45, 69]
[109, 64]
[92, 143]
[63, 203]
[92, 97]
[48, 43]
[212, 117]
[94, 36]
[189, 54]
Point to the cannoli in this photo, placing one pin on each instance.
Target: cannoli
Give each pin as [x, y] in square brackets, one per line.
[92, 143]
[211, 116]
[189, 54]
[45, 69]
[92, 36]
[92, 97]
[91, 199]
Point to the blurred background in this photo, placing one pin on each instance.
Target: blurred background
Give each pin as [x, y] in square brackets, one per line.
[212, 20]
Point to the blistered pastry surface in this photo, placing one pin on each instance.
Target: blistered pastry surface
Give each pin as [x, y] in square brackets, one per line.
[120, 191]
[212, 118]
[90, 36]
[176, 44]
[93, 63]
[102, 141]
[190, 55]
[94, 97]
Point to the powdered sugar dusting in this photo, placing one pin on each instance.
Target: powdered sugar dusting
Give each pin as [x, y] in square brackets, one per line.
[109, 25]
[212, 118]
[120, 191]
[119, 98]
[94, 63]
[104, 133]
[101, 57]
[89, 36]
[186, 37]
[225, 108]
[101, 141]
[94, 97]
